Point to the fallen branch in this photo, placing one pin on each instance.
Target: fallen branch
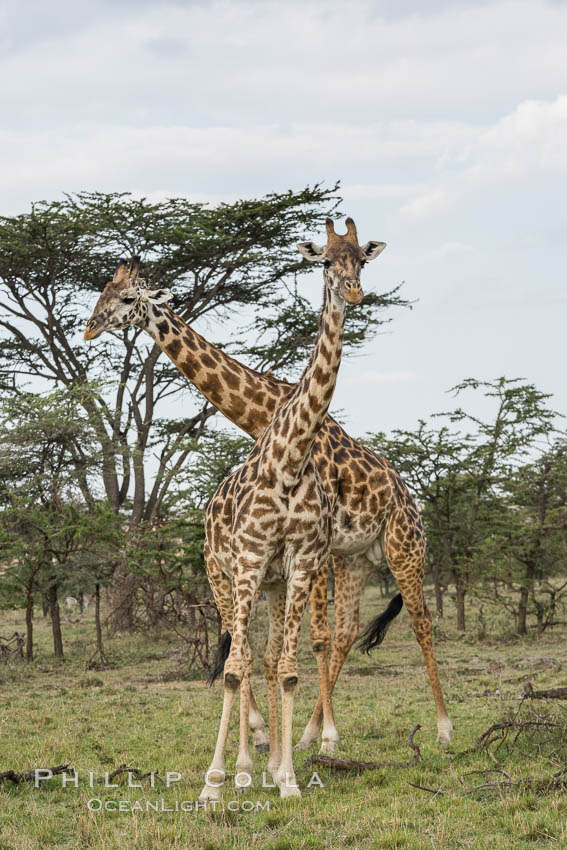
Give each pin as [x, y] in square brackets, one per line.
[28, 775]
[6, 651]
[490, 785]
[489, 770]
[499, 732]
[542, 784]
[135, 772]
[102, 664]
[552, 693]
[549, 625]
[435, 791]
[348, 764]
[507, 784]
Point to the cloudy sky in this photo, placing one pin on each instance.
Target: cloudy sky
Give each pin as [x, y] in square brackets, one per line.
[446, 123]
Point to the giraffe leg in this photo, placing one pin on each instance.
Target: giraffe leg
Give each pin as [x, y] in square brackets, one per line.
[221, 588]
[246, 579]
[272, 652]
[243, 777]
[320, 636]
[257, 726]
[297, 596]
[222, 591]
[407, 566]
[215, 775]
[349, 582]
[243, 595]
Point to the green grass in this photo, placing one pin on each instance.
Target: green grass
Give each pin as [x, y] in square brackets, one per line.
[136, 713]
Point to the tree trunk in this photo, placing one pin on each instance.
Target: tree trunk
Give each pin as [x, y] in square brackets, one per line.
[461, 593]
[99, 645]
[542, 621]
[523, 611]
[524, 596]
[122, 617]
[438, 590]
[29, 626]
[55, 621]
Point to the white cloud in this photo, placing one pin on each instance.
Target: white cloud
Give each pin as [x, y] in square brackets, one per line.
[377, 191]
[211, 163]
[448, 249]
[221, 99]
[427, 203]
[227, 62]
[528, 144]
[443, 118]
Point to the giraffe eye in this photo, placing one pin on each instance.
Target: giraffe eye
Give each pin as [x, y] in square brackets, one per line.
[128, 300]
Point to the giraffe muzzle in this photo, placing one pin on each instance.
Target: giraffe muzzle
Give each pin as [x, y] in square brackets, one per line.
[91, 331]
[352, 294]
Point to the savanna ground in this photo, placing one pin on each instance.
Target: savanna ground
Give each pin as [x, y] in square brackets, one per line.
[145, 714]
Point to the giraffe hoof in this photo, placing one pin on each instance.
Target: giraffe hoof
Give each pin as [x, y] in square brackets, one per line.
[309, 738]
[273, 767]
[305, 744]
[289, 791]
[260, 740]
[209, 793]
[445, 733]
[328, 748]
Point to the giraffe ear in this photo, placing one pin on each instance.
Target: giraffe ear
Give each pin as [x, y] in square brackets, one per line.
[370, 250]
[311, 251]
[121, 273]
[160, 296]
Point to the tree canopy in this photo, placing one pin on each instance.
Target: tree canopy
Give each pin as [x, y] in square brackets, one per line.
[217, 261]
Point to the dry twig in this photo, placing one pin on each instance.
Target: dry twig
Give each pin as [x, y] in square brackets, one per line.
[124, 768]
[348, 764]
[551, 693]
[499, 732]
[27, 775]
[436, 792]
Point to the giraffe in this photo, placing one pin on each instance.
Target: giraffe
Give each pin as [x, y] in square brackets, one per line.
[269, 526]
[374, 515]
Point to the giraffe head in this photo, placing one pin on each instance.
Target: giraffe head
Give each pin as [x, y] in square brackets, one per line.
[124, 301]
[342, 258]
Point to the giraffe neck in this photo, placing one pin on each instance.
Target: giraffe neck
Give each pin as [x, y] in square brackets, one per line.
[300, 418]
[246, 397]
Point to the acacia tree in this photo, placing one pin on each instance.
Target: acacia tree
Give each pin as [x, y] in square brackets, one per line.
[521, 417]
[525, 554]
[49, 517]
[457, 476]
[218, 261]
[171, 565]
[434, 464]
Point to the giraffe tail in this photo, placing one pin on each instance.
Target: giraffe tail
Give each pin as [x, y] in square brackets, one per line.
[220, 657]
[376, 630]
